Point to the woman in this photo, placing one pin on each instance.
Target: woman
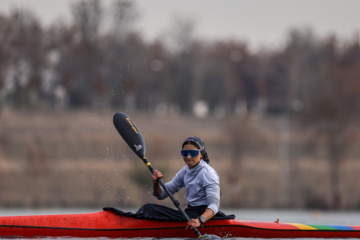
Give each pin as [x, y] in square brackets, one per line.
[200, 180]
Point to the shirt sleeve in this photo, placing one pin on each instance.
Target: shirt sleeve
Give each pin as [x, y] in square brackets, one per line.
[212, 188]
[174, 185]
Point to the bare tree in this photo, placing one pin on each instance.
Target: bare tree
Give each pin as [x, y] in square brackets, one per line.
[182, 68]
[332, 106]
[87, 17]
[21, 58]
[125, 14]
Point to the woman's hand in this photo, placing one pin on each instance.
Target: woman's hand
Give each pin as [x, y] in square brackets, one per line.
[157, 175]
[156, 186]
[193, 223]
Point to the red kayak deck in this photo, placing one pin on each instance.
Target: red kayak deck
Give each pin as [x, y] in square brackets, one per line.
[110, 225]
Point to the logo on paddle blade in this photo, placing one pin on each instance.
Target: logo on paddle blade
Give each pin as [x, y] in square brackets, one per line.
[137, 147]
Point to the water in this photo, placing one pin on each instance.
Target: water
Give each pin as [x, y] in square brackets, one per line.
[285, 216]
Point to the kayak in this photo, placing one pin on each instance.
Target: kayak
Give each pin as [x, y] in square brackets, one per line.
[108, 224]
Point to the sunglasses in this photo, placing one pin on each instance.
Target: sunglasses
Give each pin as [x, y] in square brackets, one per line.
[193, 153]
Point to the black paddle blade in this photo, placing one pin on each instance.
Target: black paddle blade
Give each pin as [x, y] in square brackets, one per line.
[130, 133]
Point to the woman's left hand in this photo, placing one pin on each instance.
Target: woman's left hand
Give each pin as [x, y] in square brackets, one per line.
[193, 223]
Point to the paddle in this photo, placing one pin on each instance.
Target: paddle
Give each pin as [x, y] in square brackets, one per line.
[132, 136]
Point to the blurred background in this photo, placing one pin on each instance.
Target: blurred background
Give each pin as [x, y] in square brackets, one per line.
[272, 87]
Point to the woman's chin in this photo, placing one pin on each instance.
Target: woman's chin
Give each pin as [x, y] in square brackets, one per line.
[191, 164]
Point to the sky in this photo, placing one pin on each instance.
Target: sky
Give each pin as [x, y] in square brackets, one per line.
[259, 23]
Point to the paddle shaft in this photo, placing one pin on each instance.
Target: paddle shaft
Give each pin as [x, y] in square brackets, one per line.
[176, 202]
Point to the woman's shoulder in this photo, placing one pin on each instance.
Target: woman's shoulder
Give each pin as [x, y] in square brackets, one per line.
[209, 172]
[207, 167]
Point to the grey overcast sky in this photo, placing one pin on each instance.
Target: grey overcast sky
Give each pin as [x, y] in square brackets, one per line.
[258, 22]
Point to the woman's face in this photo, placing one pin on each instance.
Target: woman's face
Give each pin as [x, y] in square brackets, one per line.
[191, 162]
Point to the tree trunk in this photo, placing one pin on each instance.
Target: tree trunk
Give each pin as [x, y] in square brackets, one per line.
[335, 153]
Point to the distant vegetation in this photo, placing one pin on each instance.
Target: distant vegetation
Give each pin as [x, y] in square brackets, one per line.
[309, 85]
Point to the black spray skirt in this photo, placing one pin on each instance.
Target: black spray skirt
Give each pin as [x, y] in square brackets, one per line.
[162, 213]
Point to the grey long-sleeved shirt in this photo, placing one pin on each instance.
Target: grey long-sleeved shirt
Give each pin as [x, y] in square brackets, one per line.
[202, 186]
